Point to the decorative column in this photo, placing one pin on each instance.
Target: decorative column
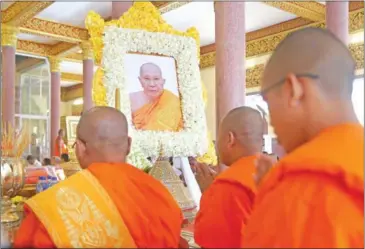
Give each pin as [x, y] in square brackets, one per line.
[88, 73]
[55, 100]
[8, 43]
[118, 8]
[230, 42]
[337, 19]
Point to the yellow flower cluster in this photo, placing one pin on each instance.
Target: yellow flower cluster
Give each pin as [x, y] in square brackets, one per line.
[142, 16]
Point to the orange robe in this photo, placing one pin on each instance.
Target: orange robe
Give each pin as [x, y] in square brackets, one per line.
[164, 114]
[226, 206]
[151, 215]
[60, 150]
[314, 197]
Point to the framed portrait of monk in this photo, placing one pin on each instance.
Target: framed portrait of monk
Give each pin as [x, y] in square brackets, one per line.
[153, 92]
[156, 78]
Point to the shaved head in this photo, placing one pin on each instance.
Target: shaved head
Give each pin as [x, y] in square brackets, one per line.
[240, 134]
[149, 66]
[307, 84]
[102, 136]
[318, 52]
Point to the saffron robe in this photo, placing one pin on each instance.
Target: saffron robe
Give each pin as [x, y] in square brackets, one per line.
[131, 197]
[163, 114]
[226, 205]
[60, 150]
[314, 197]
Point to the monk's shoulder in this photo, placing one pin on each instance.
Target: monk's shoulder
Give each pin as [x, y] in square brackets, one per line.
[137, 100]
[171, 97]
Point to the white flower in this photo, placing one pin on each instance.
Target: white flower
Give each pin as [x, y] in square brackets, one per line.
[192, 139]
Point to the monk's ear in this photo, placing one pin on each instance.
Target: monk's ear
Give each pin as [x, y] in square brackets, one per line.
[129, 145]
[296, 91]
[231, 139]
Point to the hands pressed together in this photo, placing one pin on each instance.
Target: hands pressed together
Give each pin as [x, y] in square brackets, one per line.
[205, 174]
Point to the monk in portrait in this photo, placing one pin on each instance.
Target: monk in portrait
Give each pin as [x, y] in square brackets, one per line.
[155, 108]
[109, 204]
[226, 205]
[314, 196]
[60, 146]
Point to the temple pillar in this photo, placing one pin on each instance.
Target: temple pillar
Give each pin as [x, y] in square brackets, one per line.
[337, 19]
[55, 100]
[8, 43]
[88, 73]
[230, 42]
[118, 8]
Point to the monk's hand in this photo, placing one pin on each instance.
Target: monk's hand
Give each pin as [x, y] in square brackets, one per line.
[263, 165]
[204, 176]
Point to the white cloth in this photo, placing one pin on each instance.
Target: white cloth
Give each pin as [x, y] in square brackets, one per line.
[190, 180]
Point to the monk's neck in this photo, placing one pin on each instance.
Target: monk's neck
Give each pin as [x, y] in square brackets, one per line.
[341, 115]
[150, 99]
[237, 156]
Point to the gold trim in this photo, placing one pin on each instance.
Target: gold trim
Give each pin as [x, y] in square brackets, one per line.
[357, 51]
[8, 35]
[71, 77]
[253, 76]
[310, 10]
[54, 30]
[33, 48]
[87, 50]
[54, 63]
[267, 44]
[62, 48]
[20, 12]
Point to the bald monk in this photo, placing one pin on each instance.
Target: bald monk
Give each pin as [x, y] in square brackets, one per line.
[155, 108]
[314, 197]
[226, 205]
[109, 204]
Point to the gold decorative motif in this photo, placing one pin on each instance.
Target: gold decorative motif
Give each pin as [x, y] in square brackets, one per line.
[207, 60]
[74, 57]
[253, 76]
[8, 35]
[311, 10]
[357, 51]
[87, 50]
[142, 15]
[356, 21]
[62, 48]
[71, 77]
[20, 12]
[57, 31]
[267, 44]
[33, 48]
[54, 63]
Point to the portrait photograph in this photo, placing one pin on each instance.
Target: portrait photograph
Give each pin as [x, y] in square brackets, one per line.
[153, 90]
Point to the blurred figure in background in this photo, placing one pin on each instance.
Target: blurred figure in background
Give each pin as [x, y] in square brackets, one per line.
[33, 162]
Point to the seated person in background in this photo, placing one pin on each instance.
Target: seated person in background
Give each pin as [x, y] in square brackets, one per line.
[33, 162]
[65, 158]
[47, 162]
[109, 204]
[155, 108]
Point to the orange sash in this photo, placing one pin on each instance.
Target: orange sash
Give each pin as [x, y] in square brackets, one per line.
[79, 213]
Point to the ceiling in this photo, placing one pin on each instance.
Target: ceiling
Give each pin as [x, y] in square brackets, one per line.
[181, 15]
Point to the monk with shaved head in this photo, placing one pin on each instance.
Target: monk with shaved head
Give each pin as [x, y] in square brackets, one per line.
[226, 205]
[314, 197]
[109, 204]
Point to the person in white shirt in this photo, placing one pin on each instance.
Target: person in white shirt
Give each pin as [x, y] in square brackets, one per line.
[33, 162]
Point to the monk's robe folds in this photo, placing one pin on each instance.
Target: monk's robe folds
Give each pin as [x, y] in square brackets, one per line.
[225, 206]
[314, 198]
[164, 114]
[105, 206]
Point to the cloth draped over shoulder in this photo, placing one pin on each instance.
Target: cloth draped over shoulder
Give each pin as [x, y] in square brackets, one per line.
[95, 208]
[164, 114]
[314, 197]
[226, 205]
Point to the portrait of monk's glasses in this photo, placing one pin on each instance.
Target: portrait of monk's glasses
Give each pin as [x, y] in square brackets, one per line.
[282, 81]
